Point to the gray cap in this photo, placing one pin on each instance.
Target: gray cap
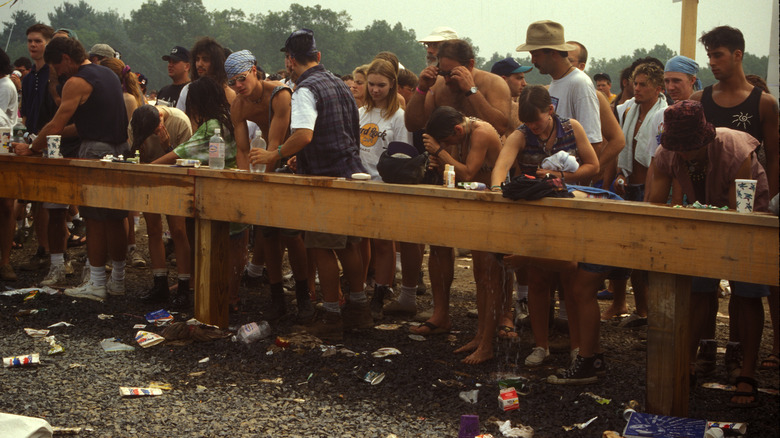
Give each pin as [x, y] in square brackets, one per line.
[103, 50]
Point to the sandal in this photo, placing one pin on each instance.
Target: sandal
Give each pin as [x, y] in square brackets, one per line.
[753, 393]
[431, 329]
[507, 332]
[75, 240]
[771, 362]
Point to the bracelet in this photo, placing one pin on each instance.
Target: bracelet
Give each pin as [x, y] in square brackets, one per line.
[421, 91]
[495, 187]
[436, 154]
[279, 151]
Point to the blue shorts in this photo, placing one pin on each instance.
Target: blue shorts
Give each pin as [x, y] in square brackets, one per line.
[613, 273]
[702, 285]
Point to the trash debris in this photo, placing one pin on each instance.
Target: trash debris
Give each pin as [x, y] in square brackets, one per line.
[33, 333]
[641, 424]
[307, 379]
[276, 381]
[281, 342]
[599, 399]
[28, 312]
[714, 385]
[611, 434]
[75, 365]
[386, 351]
[23, 426]
[328, 351]
[60, 324]
[296, 400]
[469, 396]
[21, 361]
[520, 384]
[204, 360]
[32, 295]
[469, 426]
[418, 338]
[148, 339]
[506, 429]
[126, 391]
[200, 388]
[196, 373]
[374, 377]
[740, 428]
[253, 332]
[113, 344]
[161, 385]
[583, 425]
[180, 333]
[139, 326]
[159, 317]
[104, 317]
[347, 352]
[388, 326]
[508, 400]
[29, 290]
[54, 347]
[67, 430]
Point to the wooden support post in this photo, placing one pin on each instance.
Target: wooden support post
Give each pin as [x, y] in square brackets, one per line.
[668, 338]
[212, 243]
[688, 28]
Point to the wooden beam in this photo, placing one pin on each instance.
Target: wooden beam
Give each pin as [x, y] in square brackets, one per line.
[688, 28]
[668, 338]
[211, 272]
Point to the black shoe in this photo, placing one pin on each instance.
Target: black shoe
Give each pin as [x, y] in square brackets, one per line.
[181, 298]
[581, 372]
[378, 301]
[159, 293]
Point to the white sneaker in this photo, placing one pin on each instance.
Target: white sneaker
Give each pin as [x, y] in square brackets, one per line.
[537, 357]
[68, 268]
[55, 276]
[86, 274]
[135, 259]
[89, 291]
[114, 287]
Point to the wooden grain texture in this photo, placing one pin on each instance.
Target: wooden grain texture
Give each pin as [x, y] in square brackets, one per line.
[211, 272]
[668, 338]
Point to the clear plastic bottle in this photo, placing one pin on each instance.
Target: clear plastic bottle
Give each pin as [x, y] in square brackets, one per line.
[257, 143]
[217, 151]
[18, 132]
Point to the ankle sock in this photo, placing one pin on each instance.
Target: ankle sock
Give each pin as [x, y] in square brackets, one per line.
[254, 270]
[118, 273]
[97, 275]
[57, 259]
[408, 295]
[332, 307]
[522, 292]
[160, 272]
[358, 297]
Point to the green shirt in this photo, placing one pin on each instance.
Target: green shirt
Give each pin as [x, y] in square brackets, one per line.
[197, 147]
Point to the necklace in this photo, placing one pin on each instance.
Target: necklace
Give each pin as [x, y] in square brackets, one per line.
[545, 140]
[262, 93]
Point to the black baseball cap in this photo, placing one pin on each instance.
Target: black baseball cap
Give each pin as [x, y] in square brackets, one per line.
[178, 53]
[146, 119]
[300, 42]
[602, 77]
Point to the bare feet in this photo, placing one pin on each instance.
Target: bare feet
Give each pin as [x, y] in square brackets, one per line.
[471, 346]
[612, 312]
[480, 355]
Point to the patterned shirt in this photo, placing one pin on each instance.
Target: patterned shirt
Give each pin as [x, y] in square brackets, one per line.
[534, 152]
[197, 147]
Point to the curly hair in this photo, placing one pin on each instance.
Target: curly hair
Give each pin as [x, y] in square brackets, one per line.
[216, 54]
[206, 100]
[128, 79]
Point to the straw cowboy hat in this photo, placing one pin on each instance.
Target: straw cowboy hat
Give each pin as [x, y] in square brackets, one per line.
[545, 35]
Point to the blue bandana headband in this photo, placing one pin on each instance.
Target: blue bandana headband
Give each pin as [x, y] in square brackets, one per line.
[683, 64]
[239, 62]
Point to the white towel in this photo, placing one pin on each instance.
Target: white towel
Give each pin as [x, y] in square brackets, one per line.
[561, 161]
[645, 134]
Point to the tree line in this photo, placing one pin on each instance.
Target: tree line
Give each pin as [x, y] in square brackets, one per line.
[153, 29]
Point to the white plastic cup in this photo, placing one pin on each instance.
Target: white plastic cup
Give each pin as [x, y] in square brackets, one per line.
[5, 140]
[53, 146]
[746, 193]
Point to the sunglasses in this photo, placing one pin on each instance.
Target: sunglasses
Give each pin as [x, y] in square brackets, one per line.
[446, 74]
[232, 82]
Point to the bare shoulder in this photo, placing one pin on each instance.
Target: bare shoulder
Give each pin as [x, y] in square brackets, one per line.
[768, 102]
[696, 96]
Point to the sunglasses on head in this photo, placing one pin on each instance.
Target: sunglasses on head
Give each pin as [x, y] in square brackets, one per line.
[232, 82]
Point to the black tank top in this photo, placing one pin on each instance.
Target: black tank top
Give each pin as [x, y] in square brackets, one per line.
[103, 116]
[744, 117]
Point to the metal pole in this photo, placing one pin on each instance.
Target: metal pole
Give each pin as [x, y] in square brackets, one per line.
[9, 36]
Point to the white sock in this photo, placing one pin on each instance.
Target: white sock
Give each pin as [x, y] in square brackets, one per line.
[97, 275]
[162, 272]
[57, 259]
[522, 292]
[358, 297]
[118, 273]
[184, 277]
[332, 307]
[254, 270]
[408, 295]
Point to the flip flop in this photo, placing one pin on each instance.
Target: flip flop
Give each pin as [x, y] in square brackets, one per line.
[771, 362]
[76, 240]
[753, 393]
[432, 328]
[507, 332]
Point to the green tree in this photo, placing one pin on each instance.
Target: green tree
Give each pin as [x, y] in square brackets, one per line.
[378, 37]
[14, 36]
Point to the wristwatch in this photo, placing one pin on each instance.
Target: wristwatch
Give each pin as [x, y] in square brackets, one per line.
[471, 91]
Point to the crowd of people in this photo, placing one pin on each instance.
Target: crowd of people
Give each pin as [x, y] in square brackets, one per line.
[662, 139]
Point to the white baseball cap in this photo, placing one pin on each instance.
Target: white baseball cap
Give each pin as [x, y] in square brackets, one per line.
[441, 33]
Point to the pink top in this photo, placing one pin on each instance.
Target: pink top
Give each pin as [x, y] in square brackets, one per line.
[726, 154]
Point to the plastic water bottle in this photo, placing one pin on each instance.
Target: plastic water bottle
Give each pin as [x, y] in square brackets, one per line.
[257, 143]
[18, 132]
[217, 151]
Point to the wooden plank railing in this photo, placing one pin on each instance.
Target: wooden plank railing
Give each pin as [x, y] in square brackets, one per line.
[670, 243]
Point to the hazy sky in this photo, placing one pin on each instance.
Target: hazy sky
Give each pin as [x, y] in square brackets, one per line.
[608, 28]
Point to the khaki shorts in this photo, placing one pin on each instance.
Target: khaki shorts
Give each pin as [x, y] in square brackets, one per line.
[313, 239]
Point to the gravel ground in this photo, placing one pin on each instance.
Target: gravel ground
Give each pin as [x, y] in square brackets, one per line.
[242, 390]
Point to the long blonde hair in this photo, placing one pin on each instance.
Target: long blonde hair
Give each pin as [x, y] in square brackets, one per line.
[128, 78]
[384, 68]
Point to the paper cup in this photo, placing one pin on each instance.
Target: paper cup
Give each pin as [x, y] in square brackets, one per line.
[53, 146]
[5, 140]
[746, 192]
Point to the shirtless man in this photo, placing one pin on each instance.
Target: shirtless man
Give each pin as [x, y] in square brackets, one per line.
[514, 75]
[267, 104]
[432, 41]
[456, 83]
[468, 144]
